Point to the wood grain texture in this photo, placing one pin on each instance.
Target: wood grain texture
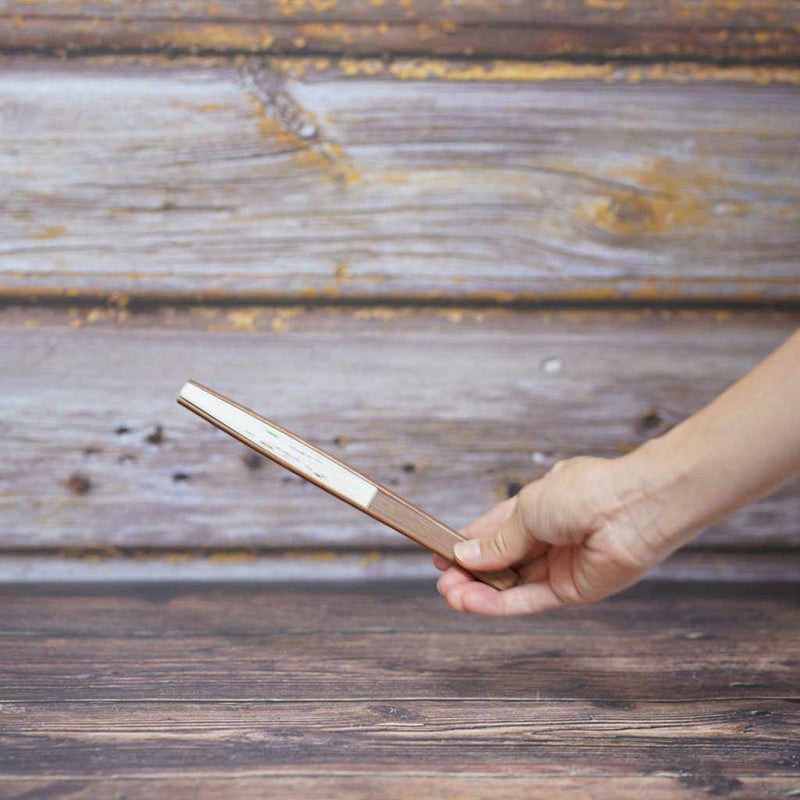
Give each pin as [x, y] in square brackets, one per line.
[710, 29]
[723, 649]
[692, 613]
[495, 736]
[416, 179]
[201, 688]
[355, 785]
[454, 409]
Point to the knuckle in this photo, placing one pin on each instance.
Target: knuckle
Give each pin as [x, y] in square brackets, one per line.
[497, 545]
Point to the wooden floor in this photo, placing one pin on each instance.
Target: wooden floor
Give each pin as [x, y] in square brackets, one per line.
[377, 689]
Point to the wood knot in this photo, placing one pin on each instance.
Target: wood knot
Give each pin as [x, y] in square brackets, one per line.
[665, 195]
[632, 209]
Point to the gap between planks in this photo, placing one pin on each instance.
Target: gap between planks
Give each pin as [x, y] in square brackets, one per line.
[612, 296]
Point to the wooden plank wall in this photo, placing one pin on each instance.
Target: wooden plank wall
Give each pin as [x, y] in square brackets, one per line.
[477, 238]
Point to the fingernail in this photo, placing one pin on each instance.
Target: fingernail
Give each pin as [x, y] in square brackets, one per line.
[467, 551]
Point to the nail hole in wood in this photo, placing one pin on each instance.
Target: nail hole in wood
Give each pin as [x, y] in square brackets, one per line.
[157, 436]
[252, 460]
[650, 420]
[78, 483]
[551, 366]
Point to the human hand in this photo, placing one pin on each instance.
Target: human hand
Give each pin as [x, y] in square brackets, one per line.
[592, 526]
[584, 531]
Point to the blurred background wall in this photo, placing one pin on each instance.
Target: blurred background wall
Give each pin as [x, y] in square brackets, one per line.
[452, 242]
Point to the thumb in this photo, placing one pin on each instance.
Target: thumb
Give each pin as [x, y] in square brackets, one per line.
[510, 543]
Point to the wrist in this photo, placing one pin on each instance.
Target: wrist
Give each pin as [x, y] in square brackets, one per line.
[663, 491]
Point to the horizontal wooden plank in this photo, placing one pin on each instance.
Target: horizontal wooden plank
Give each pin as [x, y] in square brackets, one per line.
[452, 408]
[424, 179]
[372, 690]
[760, 738]
[402, 646]
[677, 611]
[711, 29]
[355, 785]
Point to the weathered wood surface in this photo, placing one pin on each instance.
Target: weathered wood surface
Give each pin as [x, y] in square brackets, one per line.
[689, 614]
[508, 181]
[710, 29]
[355, 785]
[452, 408]
[685, 690]
[494, 736]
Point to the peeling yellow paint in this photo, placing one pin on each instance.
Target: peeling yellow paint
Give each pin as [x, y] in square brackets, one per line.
[696, 73]
[273, 129]
[525, 71]
[330, 158]
[215, 37]
[178, 558]
[335, 31]
[244, 319]
[278, 325]
[424, 69]
[204, 312]
[361, 66]
[291, 7]
[371, 558]
[202, 107]
[235, 557]
[341, 270]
